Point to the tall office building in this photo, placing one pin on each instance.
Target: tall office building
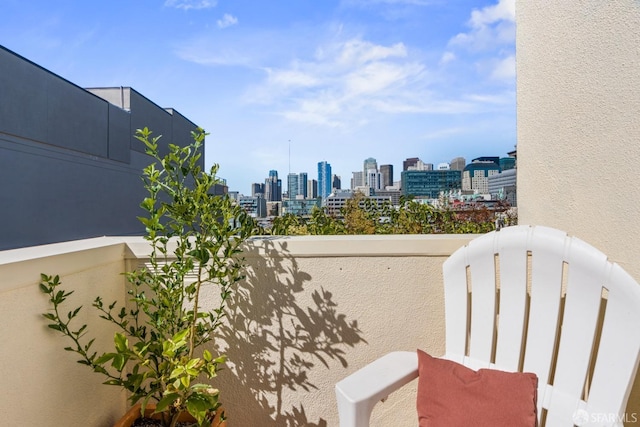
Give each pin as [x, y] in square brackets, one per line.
[374, 179]
[292, 186]
[421, 166]
[257, 190]
[370, 163]
[370, 166]
[411, 161]
[386, 171]
[476, 174]
[458, 164]
[302, 185]
[357, 180]
[297, 186]
[324, 179]
[430, 183]
[312, 189]
[336, 182]
[273, 187]
[415, 164]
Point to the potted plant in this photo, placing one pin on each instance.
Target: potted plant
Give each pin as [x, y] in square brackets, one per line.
[159, 351]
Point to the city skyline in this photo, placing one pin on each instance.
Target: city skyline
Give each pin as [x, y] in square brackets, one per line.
[338, 78]
[396, 173]
[296, 181]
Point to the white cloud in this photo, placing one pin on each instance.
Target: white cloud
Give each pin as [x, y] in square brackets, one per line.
[505, 69]
[500, 98]
[347, 83]
[190, 4]
[362, 3]
[248, 48]
[357, 52]
[489, 45]
[447, 57]
[291, 78]
[338, 79]
[444, 133]
[343, 82]
[490, 26]
[227, 21]
[505, 10]
[224, 57]
[377, 77]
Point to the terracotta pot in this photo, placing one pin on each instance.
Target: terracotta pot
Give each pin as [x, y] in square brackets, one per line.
[134, 413]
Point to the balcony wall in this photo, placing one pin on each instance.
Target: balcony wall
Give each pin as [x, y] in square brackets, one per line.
[42, 384]
[310, 311]
[578, 68]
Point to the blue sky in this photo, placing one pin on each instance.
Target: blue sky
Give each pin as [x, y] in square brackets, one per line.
[334, 80]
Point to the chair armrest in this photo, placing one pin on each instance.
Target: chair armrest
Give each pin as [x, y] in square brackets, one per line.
[359, 392]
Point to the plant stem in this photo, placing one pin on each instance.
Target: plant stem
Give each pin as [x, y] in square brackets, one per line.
[192, 334]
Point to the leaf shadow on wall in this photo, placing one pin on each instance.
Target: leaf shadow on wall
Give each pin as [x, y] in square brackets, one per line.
[274, 336]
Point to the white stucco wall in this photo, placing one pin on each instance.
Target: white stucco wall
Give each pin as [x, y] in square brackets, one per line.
[578, 106]
[41, 383]
[578, 95]
[343, 300]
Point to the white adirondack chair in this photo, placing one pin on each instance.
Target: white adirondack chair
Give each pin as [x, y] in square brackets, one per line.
[528, 299]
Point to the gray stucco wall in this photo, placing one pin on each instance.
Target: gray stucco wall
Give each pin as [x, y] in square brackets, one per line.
[69, 164]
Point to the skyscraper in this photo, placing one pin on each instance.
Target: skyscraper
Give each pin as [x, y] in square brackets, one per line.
[370, 163]
[273, 187]
[336, 182]
[257, 190]
[324, 179]
[411, 161]
[292, 186]
[458, 164]
[476, 174]
[387, 176]
[302, 185]
[312, 189]
[357, 180]
[374, 179]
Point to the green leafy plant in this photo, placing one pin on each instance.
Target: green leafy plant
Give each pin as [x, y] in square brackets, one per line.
[195, 237]
[363, 215]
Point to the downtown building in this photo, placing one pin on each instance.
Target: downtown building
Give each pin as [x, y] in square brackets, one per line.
[273, 187]
[297, 186]
[386, 176]
[338, 200]
[429, 184]
[475, 176]
[324, 180]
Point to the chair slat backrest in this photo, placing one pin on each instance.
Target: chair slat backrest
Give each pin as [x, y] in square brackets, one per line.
[533, 299]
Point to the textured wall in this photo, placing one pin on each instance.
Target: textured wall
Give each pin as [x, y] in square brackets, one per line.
[42, 383]
[355, 298]
[578, 71]
[578, 68]
[311, 311]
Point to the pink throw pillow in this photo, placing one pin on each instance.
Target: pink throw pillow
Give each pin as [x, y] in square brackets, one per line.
[452, 395]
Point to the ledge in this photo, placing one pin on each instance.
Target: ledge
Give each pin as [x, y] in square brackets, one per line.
[22, 267]
[395, 245]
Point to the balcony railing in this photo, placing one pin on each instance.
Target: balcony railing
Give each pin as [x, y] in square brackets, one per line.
[312, 310]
